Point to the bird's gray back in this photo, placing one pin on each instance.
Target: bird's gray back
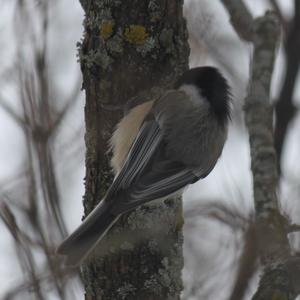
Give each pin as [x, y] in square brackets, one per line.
[192, 134]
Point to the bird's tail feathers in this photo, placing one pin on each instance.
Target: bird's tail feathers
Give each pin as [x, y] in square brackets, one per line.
[84, 239]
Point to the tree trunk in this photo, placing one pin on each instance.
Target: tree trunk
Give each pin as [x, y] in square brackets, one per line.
[129, 47]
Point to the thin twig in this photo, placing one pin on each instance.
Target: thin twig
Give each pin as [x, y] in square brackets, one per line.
[240, 18]
[277, 9]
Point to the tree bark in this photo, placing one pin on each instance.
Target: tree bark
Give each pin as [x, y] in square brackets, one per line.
[129, 47]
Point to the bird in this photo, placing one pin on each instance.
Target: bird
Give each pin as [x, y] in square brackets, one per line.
[158, 148]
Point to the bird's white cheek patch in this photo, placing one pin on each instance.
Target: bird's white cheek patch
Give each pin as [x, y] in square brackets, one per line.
[194, 95]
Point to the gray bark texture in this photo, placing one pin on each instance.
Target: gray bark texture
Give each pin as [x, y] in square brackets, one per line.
[279, 279]
[129, 47]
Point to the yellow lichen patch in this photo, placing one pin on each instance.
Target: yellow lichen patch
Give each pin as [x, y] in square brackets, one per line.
[107, 29]
[136, 34]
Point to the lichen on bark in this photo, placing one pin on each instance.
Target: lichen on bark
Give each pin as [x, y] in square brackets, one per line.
[122, 55]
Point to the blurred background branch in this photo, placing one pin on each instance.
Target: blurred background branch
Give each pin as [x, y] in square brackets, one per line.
[31, 207]
[285, 104]
[273, 244]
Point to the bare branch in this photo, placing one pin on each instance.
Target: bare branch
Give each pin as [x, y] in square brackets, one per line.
[247, 265]
[68, 104]
[277, 9]
[18, 119]
[285, 107]
[37, 203]
[272, 237]
[240, 18]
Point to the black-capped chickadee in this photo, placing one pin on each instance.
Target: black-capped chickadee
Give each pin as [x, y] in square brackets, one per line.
[159, 147]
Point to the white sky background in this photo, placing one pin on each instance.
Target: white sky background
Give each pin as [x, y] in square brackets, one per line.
[232, 173]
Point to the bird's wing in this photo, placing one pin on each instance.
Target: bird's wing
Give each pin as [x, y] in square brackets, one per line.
[145, 144]
[147, 174]
[164, 179]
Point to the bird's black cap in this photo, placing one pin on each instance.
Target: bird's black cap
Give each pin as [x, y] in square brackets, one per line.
[213, 86]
